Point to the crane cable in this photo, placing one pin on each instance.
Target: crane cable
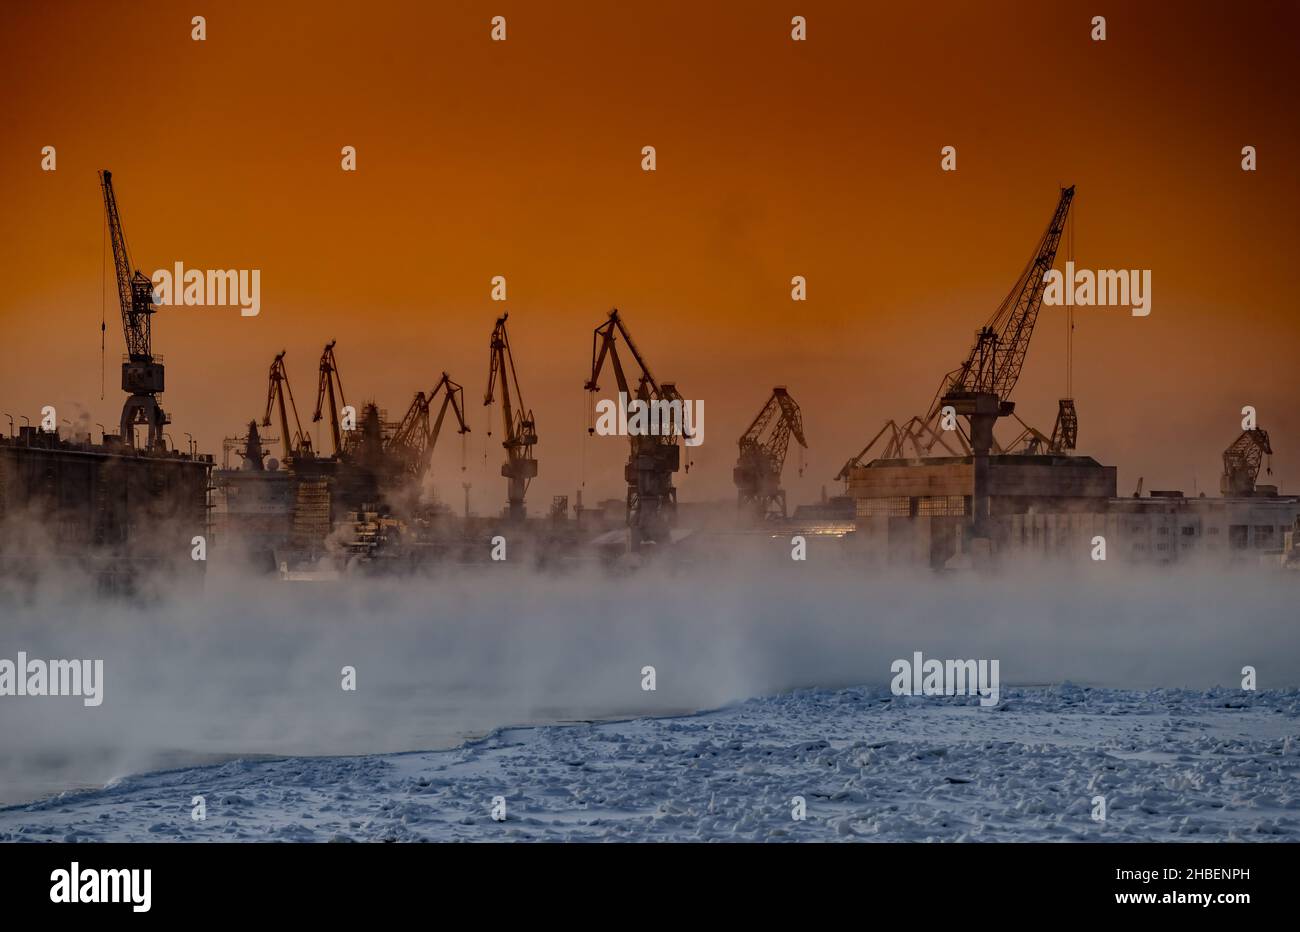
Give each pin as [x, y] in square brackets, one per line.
[589, 416]
[103, 302]
[1069, 315]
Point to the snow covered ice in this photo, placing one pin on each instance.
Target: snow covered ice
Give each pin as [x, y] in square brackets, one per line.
[1174, 765]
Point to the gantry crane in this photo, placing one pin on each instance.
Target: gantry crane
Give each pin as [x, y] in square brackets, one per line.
[413, 441]
[520, 466]
[654, 457]
[762, 455]
[329, 378]
[142, 375]
[980, 388]
[297, 445]
[1241, 462]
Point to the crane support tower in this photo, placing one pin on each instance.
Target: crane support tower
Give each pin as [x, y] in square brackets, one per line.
[142, 374]
[520, 466]
[762, 455]
[654, 457]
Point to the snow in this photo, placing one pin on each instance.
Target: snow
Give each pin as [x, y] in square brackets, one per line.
[1178, 765]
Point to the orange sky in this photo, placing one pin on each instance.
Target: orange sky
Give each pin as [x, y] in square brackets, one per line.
[775, 159]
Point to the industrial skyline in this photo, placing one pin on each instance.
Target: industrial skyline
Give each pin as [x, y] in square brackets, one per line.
[780, 161]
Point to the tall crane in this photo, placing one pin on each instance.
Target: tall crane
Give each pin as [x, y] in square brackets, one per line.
[329, 378]
[651, 497]
[297, 445]
[980, 387]
[520, 466]
[413, 441]
[762, 455]
[1241, 462]
[142, 375]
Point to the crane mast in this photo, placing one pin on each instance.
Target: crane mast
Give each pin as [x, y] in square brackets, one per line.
[763, 447]
[142, 375]
[651, 497]
[520, 466]
[297, 445]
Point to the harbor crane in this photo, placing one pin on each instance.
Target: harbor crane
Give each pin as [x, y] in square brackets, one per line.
[1241, 462]
[654, 456]
[520, 466]
[413, 441]
[297, 444]
[980, 388]
[329, 378]
[142, 373]
[762, 455]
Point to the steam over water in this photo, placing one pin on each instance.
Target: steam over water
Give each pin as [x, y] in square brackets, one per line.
[251, 665]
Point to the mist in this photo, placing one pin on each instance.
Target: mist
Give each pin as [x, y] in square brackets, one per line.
[249, 665]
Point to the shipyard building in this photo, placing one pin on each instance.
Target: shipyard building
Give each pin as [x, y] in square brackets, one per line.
[920, 511]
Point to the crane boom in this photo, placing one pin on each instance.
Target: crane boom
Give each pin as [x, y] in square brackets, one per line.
[134, 290]
[453, 397]
[998, 355]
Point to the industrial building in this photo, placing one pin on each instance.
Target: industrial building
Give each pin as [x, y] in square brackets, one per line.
[919, 512]
[109, 509]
